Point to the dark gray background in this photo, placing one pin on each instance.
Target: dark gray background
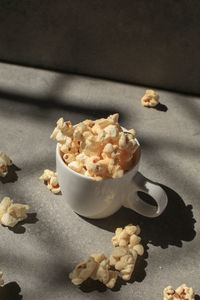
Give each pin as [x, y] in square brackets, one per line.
[153, 43]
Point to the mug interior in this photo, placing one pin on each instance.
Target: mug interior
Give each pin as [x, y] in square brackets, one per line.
[136, 159]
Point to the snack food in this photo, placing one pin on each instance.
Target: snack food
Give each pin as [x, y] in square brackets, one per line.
[11, 214]
[97, 268]
[103, 272]
[182, 292]
[124, 259]
[83, 271]
[150, 99]
[99, 149]
[52, 180]
[1, 279]
[128, 237]
[5, 161]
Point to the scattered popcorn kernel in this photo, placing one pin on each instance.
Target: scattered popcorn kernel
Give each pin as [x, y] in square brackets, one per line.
[182, 292]
[104, 139]
[102, 273]
[52, 180]
[97, 268]
[83, 271]
[1, 279]
[11, 214]
[128, 237]
[5, 162]
[124, 259]
[150, 99]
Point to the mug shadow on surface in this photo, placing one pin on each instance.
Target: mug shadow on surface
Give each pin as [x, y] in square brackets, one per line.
[167, 229]
[10, 291]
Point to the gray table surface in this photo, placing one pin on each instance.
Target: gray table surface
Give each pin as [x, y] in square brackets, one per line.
[38, 254]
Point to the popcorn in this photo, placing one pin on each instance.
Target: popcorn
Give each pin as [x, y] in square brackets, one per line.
[11, 214]
[5, 161]
[127, 249]
[83, 271]
[98, 149]
[150, 99]
[1, 279]
[128, 237]
[182, 292]
[97, 268]
[102, 273]
[124, 259]
[52, 180]
[63, 129]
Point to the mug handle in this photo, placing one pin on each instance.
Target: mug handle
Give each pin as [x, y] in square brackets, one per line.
[135, 203]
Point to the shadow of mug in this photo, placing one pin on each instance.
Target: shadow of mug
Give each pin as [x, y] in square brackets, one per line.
[176, 224]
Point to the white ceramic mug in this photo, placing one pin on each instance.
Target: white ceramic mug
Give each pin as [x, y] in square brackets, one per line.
[100, 199]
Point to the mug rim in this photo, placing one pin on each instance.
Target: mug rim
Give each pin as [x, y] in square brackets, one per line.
[88, 177]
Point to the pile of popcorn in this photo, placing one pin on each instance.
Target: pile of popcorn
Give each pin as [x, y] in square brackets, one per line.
[5, 162]
[123, 259]
[51, 178]
[182, 292]
[99, 149]
[150, 99]
[11, 214]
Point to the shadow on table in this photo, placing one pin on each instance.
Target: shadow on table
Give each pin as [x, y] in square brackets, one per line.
[175, 225]
[19, 228]
[54, 102]
[12, 175]
[10, 291]
[161, 107]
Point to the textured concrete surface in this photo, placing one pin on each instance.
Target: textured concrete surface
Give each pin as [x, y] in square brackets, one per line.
[146, 42]
[38, 254]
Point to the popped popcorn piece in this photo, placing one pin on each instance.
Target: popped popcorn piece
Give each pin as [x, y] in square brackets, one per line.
[83, 271]
[124, 259]
[62, 130]
[103, 272]
[182, 292]
[11, 214]
[150, 99]
[98, 149]
[97, 268]
[52, 180]
[68, 157]
[128, 237]
[76, 166]
[1, 279]
[5, 161]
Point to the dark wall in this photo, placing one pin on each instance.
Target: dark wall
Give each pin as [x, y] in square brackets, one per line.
[148, 42]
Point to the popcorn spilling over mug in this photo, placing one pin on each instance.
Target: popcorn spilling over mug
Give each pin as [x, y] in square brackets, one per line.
[97, 164]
